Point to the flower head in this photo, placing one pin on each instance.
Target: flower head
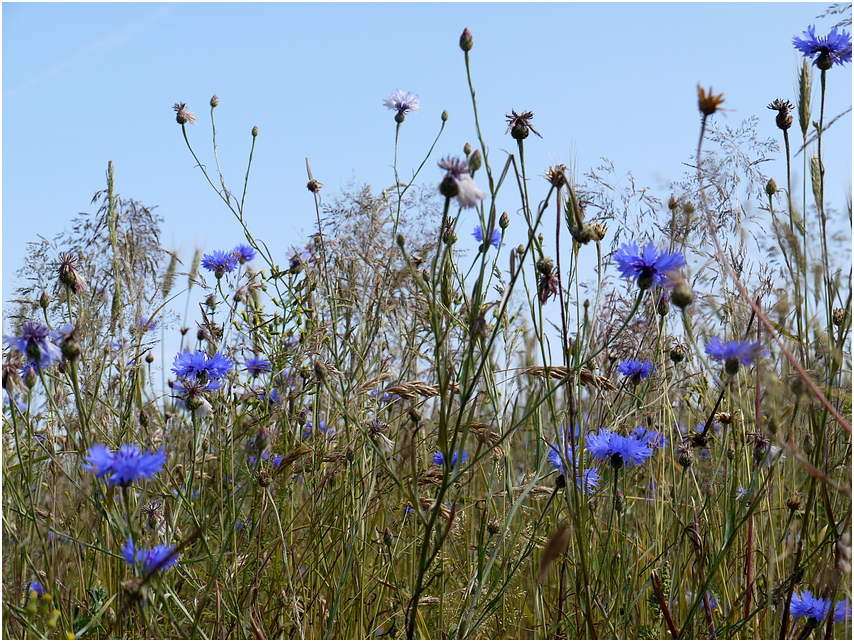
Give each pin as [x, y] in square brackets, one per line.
[244, 253]
[784, 112]
[220, 262]
[519, 124]
[68, 273]
[36, 587]
[562, 452]
[36, 342]
[816, 608]
[150, 560]
[439, 459]
[298, 258]
[197, 365]
[707, 102]
[654, 439]
[637, 370]
[834, 48]
[125, 465]
[257, 365]
[647, 267]
[457, 182]
[496, 237]
[733, 353]
[618, 450]
[308, 431]
[182, 115]
[402, 102]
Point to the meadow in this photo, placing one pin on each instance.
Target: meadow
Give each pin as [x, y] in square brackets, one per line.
[634, 425]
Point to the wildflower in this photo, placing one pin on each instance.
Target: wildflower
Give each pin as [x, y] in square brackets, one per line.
[36, 343]
[647, 267]
[144, 324]
[125, 465]
[439, 459]
[587, 479]
[733, 353]
[636, 370]
[547, 283]
[457, 182]
[402, 102]
[816, 608]
[150, 560]
[708, 102]
[273, 396]
[654, 439]
[298, 258]
[834, 48]
[678, 352]
[784, 113]
[519, 124]
[197, 365]
[617, 449]
[182, 115]
[244, 253]
[68, 273]
[496, 237]
[257, 365]
[220, 262]
[308, 431]
[36, 587]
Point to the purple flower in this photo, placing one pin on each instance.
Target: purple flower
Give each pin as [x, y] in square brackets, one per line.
[457, 182]
[125, 465]
[439, 459]
[402, 102]
[36, 587]
[151, 560]
[496, 237]
[647, 267]
[298, 258]
[834, 48]
[197, 365]
[273, 396]
[654, 439]
[144, 324]
[733, 353]
[307, 430]
[257, 365]
[244, 253]
[36, 343]
[220, 262]
[816, 608]
[562, 451]
[636, 369]
[618, 450]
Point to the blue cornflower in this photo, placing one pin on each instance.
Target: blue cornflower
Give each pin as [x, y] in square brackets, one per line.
[496, 237]
[618, 450]
[273, 396]
[587, 479]
[834, 48]
[125, 465]
[244, 253]
[298, 258]
[36, 343]
[647, 267]
[816, 608]
[637, 370]
[654, 439]
[220, 262]
[733, 353]
[257, 365]
[144, 324]
[308, 431]
[274, 458]
[402, 102]
[36, 587]
[197, 365]
[439, 459]
[151, 560]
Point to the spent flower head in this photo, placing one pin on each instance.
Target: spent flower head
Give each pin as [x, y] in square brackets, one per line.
[68, 273]
[617, 450]
[519, 124]
[784, 112]
[125, 465]
[707, 102]
[457, 182]
[182, 115]
[647, 267]
[825, 51]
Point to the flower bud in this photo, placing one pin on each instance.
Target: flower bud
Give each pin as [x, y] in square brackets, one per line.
[678, 352]
[663, 306]
[838, 316]
[809, 444]
[143, 418]
[672, 203]
[214, 100]
[504, 221]
[475, 161]
[619, 502]
[467, 149]
[560, 482]
[255, 131]
[771, 187]
[320, 370]
[44, 300]
[400, 241]
[445, 116]
[795, 501]
[149, 358]
[70, 349]
[466, 40]
[682, 295]
[686, 458]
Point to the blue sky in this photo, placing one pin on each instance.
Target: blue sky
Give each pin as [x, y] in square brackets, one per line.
[91, 82]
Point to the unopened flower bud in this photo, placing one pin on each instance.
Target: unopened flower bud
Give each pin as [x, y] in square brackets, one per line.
[44, 300]
[504, 221]
[686, 458]
[320, 370]
[672, 203]
[466, 40]
[560, 481]
[838, 316]
[143, 418]
[70, 349]
[400, 241]
[520, 250]
[682, 295]
[255, 131]
[30, 377]
[795, 501]
[663, 306]
[619, 502]
[445, 116]
[467, 149]
[214, 100]
[809, 444]
[678, 352]
[475, 161]
[149, 358]
[771, 187]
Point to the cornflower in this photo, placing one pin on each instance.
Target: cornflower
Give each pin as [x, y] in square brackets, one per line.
[182, 115]
[587, 479]
[647, 267]
[457, 182]
[834, 48]
[496, 237]
[125, 465]
[197, 365]
[618, 450]
[220, 262]
[298, 258]
[439, 459]
[816, 608]
[36, 342]
[257, 365]
[150, 560]
[402, 102]
[68, 272]
[244, 253]
[637, 370]
[733, 353]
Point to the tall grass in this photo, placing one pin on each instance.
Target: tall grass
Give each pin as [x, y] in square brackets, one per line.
[401, 440]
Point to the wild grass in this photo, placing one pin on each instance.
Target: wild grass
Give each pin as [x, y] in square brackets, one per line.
[303, 497]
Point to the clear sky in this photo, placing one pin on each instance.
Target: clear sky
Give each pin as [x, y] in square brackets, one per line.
[91, 82]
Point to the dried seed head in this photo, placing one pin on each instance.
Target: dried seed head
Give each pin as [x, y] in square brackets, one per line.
[707, 102]
[795, 501]
[686, 457]
[314, 186]
[784, 113]
[678, 352]
[68, 273]
[598, 231]
[838, 316]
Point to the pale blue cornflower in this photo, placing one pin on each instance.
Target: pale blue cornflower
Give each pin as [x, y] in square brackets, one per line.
[647, 267]
[617, 450]
[220, 262]
[257, 366]
[144, 324]
[402, 102]
[826, 51]
[457, 182]
[150, 560]
[496, 237]
[654, 439]
[125, 465]
[298, 258]
[36, 342]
